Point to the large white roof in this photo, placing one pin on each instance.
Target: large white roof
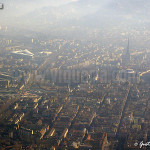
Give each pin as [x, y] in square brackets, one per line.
[23, 52]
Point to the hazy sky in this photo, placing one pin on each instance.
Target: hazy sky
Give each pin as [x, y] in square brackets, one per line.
[34, 3]
[55, 12]
[24, 6]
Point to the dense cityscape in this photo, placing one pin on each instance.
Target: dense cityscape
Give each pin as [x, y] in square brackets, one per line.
[73, 94]
[72, 88]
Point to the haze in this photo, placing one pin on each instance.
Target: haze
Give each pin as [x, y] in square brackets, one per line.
[32, 14]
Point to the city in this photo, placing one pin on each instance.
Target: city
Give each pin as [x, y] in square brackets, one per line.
[62, 92]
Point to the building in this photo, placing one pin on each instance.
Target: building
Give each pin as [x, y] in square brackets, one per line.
[4, 83]
[126, 58]
[22, 54]
[95, 141]
[25, 133]
[129, 75]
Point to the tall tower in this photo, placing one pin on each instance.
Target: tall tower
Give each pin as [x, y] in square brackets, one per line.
[128, 52]
[126, 56]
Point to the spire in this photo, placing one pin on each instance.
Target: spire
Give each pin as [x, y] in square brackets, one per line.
[128, 53]
[128, 46]
[126, 57]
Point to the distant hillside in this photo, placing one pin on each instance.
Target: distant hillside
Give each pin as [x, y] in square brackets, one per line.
[86, 13]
